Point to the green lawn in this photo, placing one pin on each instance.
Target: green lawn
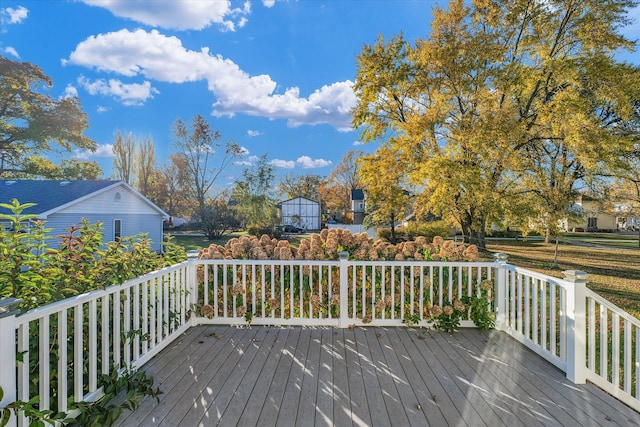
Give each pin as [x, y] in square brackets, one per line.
[197, 242]
[614, 272]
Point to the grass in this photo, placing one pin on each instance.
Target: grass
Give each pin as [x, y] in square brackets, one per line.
[197, 242]
[614, 273]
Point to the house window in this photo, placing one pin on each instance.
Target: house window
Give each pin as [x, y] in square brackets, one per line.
[117, 229]
[592, 223]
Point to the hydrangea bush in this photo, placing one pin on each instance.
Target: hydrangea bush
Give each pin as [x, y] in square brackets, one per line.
[307, 281]
[328, 243]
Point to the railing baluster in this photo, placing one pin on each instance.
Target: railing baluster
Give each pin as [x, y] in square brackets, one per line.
[63, 382]
[392, 288]
[543, 311]
[411, 290]
[627, 356]
[93, 346]
[105, 333]
[519, 296]
[615, 349]
[553, 320]
[43, 363]
[421, 267]
[78, 383]
[536, 310]
[604, 345]
[136, 321]
[354, 270]
[126, 327]
[592, 335]
[527, 307]
[253, 290]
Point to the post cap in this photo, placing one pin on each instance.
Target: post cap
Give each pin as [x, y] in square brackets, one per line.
[575, 275]
[193, 253]
[343, 255]
[500, 257]
[8, 306]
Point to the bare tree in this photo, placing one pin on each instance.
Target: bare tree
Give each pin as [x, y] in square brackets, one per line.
[124, 151]
[145, 165]
[205, 157]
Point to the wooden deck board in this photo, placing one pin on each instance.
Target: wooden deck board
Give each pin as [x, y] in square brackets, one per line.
[221, 375]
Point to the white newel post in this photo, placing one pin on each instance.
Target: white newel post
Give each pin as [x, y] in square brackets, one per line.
[8, 380]
[576, 326]
[192, 285]
[344, 289]
[501, 302]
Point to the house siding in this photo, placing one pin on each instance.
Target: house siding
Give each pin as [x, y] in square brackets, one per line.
[132, 225]
[108, 202]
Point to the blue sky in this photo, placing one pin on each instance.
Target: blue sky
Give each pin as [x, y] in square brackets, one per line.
[274, 75]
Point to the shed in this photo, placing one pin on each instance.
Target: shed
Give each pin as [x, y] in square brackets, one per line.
[121, 209]
[301, 212]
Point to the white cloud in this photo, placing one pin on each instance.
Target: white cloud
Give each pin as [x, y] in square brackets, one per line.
[10, 15]
[102, 109]
[253, 133]
[285, 164]
[11, 51]
[307, 162]
[70, 92]
[268, 3]
[103, 150]
[164, 58]
[249, 161]
[128, 94]
[179, 14]
[358, 143]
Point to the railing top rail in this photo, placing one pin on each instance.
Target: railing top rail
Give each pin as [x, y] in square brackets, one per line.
[262, 262]
[428, 263]
[336, 262]
[611, 306]
[67, 303]
[536, 275]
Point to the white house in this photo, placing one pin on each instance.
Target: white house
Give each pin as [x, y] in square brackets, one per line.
[301, 212]
[121, 209]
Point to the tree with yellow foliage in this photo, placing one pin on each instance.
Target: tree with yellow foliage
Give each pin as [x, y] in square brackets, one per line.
[386, 186]
[504, 108]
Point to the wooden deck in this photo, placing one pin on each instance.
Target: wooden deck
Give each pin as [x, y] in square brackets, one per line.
[219, 375]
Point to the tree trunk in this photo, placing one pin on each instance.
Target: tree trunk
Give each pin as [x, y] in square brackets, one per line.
[393, 229]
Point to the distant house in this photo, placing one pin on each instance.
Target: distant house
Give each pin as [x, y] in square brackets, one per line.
[301, 212]
[357, 206]
[592, 216]
[119, 207]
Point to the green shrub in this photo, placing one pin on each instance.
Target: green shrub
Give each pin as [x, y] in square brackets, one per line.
[428, 230]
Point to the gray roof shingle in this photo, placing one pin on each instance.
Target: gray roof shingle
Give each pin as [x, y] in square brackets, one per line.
[47, 194]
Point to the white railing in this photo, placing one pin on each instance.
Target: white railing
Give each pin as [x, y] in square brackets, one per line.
[125, 325]
[612, 349]
[331, 293]
[572, 327]
[63, 348]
